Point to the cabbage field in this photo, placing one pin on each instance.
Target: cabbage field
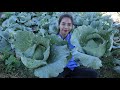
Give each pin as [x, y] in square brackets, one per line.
[30, 48]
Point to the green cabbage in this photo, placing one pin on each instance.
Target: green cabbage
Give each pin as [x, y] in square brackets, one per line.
[57, 62]
[92, 41]
[33, 49]
[46, 55]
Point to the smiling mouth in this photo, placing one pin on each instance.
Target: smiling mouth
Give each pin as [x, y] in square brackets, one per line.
[65, 30]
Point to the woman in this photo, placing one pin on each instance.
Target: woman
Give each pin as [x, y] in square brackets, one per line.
[72, 70]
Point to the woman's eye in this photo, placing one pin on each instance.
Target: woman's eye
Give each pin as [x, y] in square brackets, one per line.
[63, 24]
[69, 24]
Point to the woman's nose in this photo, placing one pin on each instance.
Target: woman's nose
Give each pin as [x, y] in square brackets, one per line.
[66, 26]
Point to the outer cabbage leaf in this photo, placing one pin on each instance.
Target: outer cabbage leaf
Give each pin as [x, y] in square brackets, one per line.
[8, 22]
[56, 62]
[23, 40]
[87, 60]
[5, 46]
[55, 40]
[32, 63]
[117, 69]
[23, 17]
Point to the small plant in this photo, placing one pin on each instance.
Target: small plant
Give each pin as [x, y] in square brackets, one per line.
[12, 63]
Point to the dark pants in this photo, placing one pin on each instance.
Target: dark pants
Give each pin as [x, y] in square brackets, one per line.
[78, 72]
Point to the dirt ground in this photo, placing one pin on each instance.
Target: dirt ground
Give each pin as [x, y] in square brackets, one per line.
[21, 72]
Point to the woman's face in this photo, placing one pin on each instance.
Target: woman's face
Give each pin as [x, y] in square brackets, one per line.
[65, 26]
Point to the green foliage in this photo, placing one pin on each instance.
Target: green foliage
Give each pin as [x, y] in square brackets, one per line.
[31, 37]
[5, 46]
[12, 63]
[5, 56]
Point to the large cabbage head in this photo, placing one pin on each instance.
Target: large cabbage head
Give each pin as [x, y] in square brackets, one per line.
[92, 41]
[33, 49]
